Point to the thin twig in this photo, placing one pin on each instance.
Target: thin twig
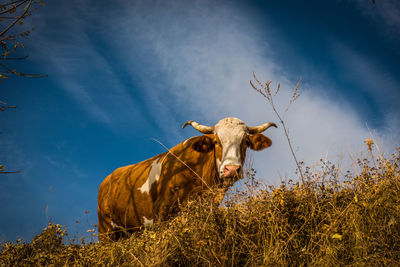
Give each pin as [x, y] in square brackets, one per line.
[32, 75]
[15, 21]
[269, 97]
[15, 58]
[8, 17]
[2, 107]
[11, 3]
[183, 163]
[11, 8]
[9, 172]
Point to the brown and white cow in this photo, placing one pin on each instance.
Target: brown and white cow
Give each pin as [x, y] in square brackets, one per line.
[149, 191]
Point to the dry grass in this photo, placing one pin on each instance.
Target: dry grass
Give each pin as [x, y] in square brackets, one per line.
[332, 219]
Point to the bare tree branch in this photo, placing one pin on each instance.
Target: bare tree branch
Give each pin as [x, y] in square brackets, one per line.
[14, 7]
[15, 58]
[9, 42]
[15, 21]
[11, 3]
[30, 75]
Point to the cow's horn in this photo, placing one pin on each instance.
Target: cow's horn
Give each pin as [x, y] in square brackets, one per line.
[201, 128]
[261, 128]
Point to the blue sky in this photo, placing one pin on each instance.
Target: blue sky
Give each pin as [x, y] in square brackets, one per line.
[123, 72]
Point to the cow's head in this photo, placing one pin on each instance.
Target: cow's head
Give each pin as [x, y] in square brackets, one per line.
[230, 138]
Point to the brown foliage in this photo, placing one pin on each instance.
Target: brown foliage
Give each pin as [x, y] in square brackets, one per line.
[331, 219]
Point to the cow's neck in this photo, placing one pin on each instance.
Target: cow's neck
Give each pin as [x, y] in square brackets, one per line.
[199, 165]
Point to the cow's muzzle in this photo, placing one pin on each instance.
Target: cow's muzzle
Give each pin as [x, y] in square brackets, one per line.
[231, 171]
[230, 174]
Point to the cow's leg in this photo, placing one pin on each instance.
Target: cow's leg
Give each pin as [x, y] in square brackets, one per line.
[106, 232]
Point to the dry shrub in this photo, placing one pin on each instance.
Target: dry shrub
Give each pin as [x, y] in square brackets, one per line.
[330, 219]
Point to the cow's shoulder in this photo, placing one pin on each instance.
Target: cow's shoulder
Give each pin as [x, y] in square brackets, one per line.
[134, 169]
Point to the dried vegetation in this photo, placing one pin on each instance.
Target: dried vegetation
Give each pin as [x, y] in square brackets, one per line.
[334, 218]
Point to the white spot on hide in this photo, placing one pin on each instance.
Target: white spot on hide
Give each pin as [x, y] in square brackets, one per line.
[147, 222]
[154, 175]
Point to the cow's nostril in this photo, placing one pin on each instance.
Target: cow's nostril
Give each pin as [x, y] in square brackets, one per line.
[231, 170]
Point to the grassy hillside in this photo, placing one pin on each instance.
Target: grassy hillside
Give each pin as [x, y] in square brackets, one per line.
[334, 218]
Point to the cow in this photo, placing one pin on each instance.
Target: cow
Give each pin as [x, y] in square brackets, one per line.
[141, 194]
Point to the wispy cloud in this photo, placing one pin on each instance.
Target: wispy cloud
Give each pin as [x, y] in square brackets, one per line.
[369, 74]
[376, 82]
[66, 165]
[83, 71]
[387, 11]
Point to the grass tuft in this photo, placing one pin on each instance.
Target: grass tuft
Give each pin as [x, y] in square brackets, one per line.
[331, 219]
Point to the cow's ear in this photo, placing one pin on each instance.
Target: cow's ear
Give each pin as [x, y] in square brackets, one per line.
[203, 144]
[259, 142]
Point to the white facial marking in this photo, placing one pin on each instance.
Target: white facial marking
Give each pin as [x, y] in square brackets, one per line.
[147, 222]
[154, 175]
[230, 132]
